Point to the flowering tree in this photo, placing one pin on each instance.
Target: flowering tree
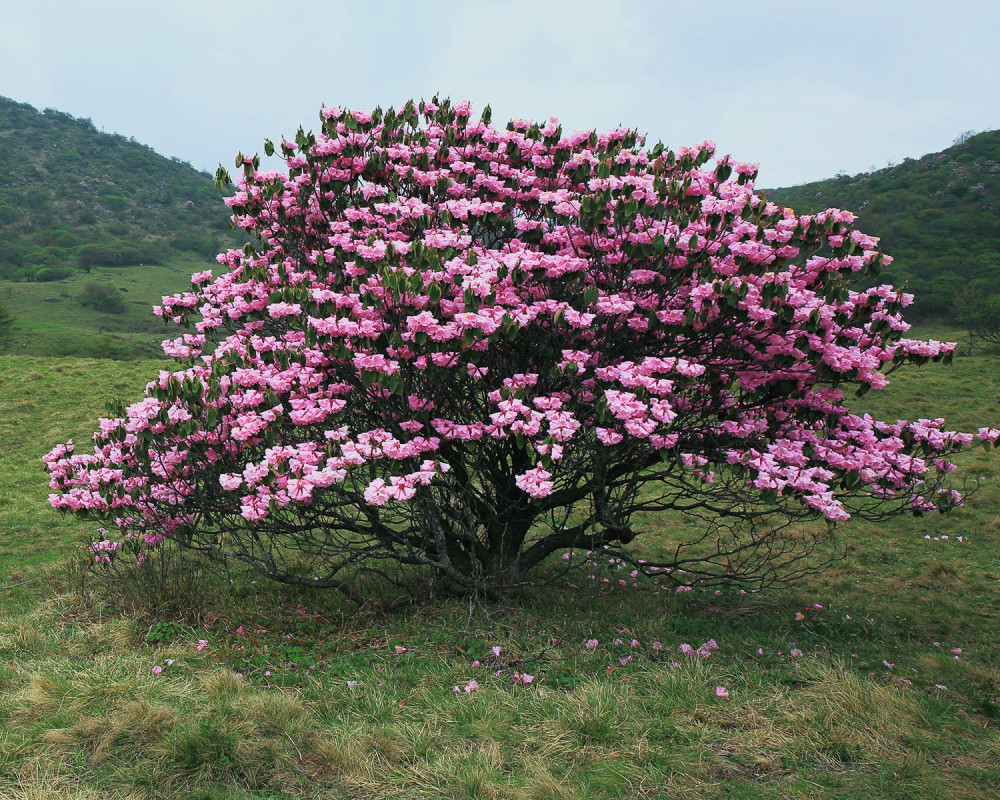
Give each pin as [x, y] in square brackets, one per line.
[468, 348]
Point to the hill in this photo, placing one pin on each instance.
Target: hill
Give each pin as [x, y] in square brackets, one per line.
[80, 208]
[938, 216]
[72, 197]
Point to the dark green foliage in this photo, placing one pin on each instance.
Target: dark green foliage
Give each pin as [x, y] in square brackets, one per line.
[938, 216]
[7, 319]
[101, 298]
[73, 198]
[51, 274]
[981, 315]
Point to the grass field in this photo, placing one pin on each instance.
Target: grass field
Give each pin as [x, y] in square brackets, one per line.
[52, 322]
[847, 685]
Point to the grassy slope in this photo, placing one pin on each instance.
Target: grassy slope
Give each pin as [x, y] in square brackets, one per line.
[74, 199]
[83, 716]
[51, 321]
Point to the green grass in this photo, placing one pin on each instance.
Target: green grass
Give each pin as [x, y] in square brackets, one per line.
[52, 322]
[316, 698]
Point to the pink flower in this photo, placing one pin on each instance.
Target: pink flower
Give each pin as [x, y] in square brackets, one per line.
[471, 686]
[400, 648]
[202, 644]
[157, 669]
[239, 630]
[657, 646]
[722, 691]
[591, 644]
[535, 482]
[799, 615]
[495, 650]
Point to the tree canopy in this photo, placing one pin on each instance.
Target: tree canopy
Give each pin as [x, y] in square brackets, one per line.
[464, 349]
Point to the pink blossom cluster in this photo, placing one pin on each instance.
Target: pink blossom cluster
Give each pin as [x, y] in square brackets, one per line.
[104, 550]
[425, 286]
[702, 651]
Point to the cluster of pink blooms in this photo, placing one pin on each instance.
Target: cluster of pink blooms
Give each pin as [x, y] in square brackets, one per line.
[614, 250]
[702, 651]
[104, 550]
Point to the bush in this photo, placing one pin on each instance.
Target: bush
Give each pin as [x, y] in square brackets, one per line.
[465, 349]
[7, 320]
[49, 274]
[982, 316]
[101, 298]
[201, 244]
[8, 214]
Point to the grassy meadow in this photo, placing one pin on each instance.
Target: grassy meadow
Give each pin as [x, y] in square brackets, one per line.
[52, 322]
[849, 684]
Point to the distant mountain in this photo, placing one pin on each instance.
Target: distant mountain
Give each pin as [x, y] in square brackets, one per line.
[938, 216]
[73, 198]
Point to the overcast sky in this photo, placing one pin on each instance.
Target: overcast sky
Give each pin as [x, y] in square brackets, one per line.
[806, 89]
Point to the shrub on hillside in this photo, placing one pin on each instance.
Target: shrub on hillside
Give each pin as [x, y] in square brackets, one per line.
[982, 317]
[465, 349]
[101, 298]
[7, 320]
[49, 274]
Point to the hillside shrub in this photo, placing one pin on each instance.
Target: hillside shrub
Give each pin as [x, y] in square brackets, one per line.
[982, 317]
[101, 298]
[465, 349]
[49, 274]
[7, 320]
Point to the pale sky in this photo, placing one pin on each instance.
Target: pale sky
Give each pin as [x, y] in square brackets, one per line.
[805, 89]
